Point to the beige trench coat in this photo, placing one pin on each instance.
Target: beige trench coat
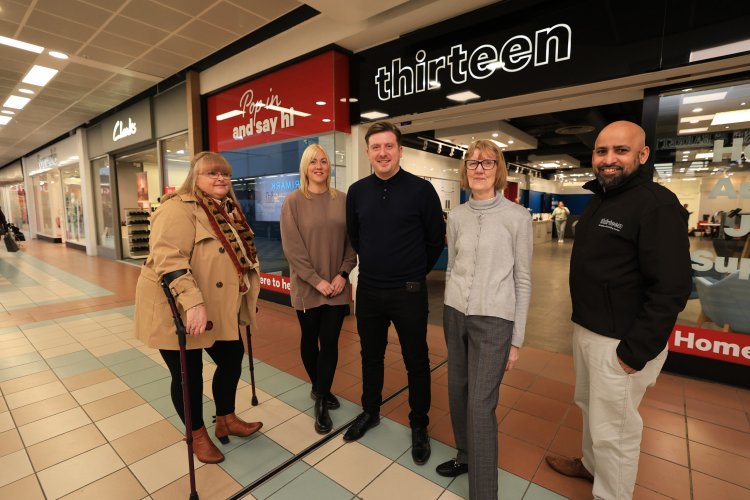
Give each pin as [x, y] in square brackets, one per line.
[182, 238]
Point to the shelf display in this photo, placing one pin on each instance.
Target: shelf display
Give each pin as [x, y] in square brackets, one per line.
[136, 233]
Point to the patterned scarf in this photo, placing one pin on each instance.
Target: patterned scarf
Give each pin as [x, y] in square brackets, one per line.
[227, 221]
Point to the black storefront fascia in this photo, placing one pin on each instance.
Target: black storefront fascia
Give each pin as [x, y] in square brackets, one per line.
[546, 45]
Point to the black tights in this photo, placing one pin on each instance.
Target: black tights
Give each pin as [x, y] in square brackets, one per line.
[321, 326]
[228, 358]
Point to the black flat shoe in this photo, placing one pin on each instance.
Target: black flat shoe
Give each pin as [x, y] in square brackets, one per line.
[420, 445]
[361, 424]
[323, 423]
[331, 400]
[452, 468]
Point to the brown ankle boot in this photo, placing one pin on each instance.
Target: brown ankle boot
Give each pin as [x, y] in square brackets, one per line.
[231, 425]
[205, 449]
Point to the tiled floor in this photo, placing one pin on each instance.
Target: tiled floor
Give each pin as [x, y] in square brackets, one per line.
[86, 413]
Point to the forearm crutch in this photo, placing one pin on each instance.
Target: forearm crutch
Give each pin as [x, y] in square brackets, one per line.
[182, 341]
[254, 400]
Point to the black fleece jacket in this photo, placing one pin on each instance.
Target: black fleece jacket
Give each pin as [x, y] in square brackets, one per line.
[630, 268]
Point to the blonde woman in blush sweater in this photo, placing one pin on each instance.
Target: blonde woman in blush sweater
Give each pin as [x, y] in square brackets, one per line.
[313, 235]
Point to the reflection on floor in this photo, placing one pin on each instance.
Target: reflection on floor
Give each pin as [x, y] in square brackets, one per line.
[85, 411]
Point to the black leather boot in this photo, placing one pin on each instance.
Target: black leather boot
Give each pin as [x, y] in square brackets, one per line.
[323, 424]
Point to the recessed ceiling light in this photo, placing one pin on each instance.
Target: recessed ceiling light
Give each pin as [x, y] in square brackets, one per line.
[742, 103]
[9, 112]
[4, 120]
[687, 90]
[466, 95]
[16, 102]
[373, 115]
[693, 130]
[510, 141]
[39, 75]
[697, 110]
[713, 96]
[736, 116]
[693, 119]
[495, 134]
[21, 45]
[57, 55]
[26, 91]
[320, 103]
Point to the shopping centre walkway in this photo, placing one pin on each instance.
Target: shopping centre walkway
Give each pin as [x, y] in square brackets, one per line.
[86, 412]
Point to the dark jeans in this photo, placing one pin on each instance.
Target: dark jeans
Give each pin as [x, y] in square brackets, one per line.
[228, 358]
[319, 345]
[376, 309]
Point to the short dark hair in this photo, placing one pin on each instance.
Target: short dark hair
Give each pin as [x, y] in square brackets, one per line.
[379, 127]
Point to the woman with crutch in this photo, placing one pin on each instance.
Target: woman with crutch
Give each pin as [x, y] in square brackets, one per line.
[200, 229]
[313, 235]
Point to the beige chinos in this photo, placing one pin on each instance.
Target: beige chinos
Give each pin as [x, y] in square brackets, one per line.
[609, 399]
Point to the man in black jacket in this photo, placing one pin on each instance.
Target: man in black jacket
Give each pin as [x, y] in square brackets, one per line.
[395, 223]
[629, 279]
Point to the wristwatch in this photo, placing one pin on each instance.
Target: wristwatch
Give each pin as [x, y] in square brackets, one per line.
[344, 275]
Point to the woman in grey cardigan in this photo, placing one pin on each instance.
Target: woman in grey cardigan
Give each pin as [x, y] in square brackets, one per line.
[487, 293]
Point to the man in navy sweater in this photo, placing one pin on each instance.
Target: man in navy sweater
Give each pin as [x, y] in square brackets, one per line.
[629, 279]
[395, 223]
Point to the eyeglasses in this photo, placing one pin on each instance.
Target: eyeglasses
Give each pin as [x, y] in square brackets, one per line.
[216, 175]
[486, 164]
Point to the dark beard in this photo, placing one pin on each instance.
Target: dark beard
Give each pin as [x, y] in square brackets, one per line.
[612, 182]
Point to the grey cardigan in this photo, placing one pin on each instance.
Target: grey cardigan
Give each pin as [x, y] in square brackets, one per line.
[489, 261]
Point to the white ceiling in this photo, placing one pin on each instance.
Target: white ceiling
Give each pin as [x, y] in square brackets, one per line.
[117, 49]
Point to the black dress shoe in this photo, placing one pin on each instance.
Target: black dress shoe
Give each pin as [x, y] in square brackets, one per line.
[331, 400]
[323, 424]
[452, 468]
[420, 445]
[361, 424]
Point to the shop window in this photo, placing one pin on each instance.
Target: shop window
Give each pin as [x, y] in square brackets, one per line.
[175, 157]
[103, 203]
[71, 181]
[48, 203]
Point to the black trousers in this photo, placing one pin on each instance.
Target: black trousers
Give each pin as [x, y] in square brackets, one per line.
[376, 309]
[228, 358]
[319, 345]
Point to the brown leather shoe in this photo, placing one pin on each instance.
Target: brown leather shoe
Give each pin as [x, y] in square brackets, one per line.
[205, 449]
[231, 425]
[572, 467]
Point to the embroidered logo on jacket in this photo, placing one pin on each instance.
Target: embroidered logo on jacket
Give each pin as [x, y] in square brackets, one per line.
[610, 224]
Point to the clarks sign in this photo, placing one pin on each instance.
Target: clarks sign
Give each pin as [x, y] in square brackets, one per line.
[120, 131]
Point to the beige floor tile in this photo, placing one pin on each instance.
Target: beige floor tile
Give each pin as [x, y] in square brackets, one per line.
[10, 442]
[59, 340]
[6, 421]
[98, 341]
[98, 391]
[449, 495]
[27, 382]
[35, 394]
[146, 441]
[17, 351]
[128, 421]
[7, 337]
[49, 427]
[399, 483]
[122, 485]
[112, 348]
[79, 471]
[163, 467]
[3, 406]
[27, 488]
[353, 466]
[60, 350]
[271, 412]
[111, 405]
[211, 482]
[296, 434]
[325, 450]
[10, 343]
[43, 409]
[88, 378]
[65, 446]
[14, 466]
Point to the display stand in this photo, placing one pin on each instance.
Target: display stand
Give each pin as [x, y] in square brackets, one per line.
[136, 233]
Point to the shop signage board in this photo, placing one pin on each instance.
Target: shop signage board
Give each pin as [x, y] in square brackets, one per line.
[713, 344]
[126, 128]
[306, 98]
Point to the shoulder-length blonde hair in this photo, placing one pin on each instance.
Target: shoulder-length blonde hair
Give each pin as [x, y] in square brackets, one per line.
[308, 155]
[205, 158]
[488, 148]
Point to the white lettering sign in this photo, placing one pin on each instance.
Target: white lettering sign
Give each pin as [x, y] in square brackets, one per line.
[703, 260]
[250, 106]
[729, 349]
[551, 44]
[120, 131]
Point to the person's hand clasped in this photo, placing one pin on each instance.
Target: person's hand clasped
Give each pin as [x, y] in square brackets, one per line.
[338, 283]
[512, 358]
[196, 320]
[325, 288]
